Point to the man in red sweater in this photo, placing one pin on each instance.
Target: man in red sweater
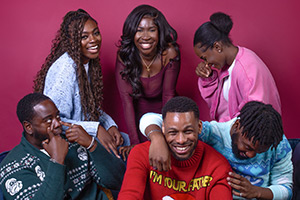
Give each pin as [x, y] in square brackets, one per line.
[197, 170]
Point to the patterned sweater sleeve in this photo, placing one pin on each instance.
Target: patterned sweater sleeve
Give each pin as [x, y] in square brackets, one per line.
[281, 174]
[27, 180]
[109, 169]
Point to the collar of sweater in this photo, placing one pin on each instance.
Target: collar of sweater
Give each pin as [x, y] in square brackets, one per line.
[196, 158]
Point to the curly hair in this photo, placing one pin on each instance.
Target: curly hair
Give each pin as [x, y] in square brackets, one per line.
[68, 39]
[262, 123]
[217, 29]
[129, 53]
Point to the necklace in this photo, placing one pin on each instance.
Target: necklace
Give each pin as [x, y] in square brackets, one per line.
[148, 66]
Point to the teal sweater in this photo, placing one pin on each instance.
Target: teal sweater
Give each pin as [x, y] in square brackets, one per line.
[28, 173]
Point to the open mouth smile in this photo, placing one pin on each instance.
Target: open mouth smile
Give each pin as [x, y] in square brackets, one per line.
[93, 49]
[181, 149]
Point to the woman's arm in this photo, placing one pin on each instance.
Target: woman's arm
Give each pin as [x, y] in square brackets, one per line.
[171, 74]
[125, 90]
[208, 88]
[62, 87]
[252, 81]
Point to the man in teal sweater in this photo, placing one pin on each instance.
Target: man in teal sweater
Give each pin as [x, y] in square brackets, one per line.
[50, 165]
[254, 145]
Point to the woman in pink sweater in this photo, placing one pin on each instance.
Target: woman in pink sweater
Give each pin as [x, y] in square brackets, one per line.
[229, 75]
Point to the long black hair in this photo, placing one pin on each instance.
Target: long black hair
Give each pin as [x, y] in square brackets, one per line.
[129, 53]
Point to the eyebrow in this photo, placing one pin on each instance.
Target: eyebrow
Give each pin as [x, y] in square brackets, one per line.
[186, 127]
[44, 118]
[153, 26]
[91, 31]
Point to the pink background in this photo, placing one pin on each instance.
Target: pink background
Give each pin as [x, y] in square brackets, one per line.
[269, 28]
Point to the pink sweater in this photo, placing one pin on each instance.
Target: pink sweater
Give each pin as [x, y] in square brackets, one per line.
[250, 80]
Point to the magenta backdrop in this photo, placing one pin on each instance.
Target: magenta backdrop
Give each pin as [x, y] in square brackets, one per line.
[270, 28]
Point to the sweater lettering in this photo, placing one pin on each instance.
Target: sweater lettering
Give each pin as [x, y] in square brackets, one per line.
[180, 185]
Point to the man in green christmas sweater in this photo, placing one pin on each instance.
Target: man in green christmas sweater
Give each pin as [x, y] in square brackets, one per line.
[50, 165]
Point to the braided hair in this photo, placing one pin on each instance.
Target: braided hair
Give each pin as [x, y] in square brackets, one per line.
[129, 53]
[262, 123]
[68, 39]
[217, 29]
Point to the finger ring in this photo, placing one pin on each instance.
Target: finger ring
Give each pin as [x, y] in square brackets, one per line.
[241, 194]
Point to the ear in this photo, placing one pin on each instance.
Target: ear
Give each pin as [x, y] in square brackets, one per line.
[27, 127]
[236, 126]
[163, 128]
[238, 123]
[218, 47]
[200, 126]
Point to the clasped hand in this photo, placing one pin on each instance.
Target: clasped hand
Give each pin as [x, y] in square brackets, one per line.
[203, 70]
[110, 139]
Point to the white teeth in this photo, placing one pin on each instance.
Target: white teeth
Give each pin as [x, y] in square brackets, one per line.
[181, 148]
[94, 47]
[145, 45]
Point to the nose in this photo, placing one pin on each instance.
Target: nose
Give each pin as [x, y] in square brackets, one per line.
[250, 154]
[56, 123]
[180, 138]
[145, 35]
[92, 38]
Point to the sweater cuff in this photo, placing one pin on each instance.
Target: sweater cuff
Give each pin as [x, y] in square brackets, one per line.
[209, 79]
[280, 192]
[148, 119]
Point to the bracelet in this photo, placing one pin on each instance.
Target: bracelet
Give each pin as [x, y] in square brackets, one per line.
[151, 131]
[92, 143]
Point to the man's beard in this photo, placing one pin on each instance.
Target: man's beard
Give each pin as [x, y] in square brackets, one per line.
[235, 150]
[185, 158]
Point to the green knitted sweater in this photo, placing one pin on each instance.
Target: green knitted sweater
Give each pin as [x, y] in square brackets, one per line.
[28, 173]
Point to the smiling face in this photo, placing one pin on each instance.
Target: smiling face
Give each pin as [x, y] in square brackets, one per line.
[146, 37]
[181, 132]
[243, 147]
[214, 57]
[46, 115]
[90, 41]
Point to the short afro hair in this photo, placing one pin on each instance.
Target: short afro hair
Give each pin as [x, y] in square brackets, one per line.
[180, 104]
[262, 123]
[25, 106]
